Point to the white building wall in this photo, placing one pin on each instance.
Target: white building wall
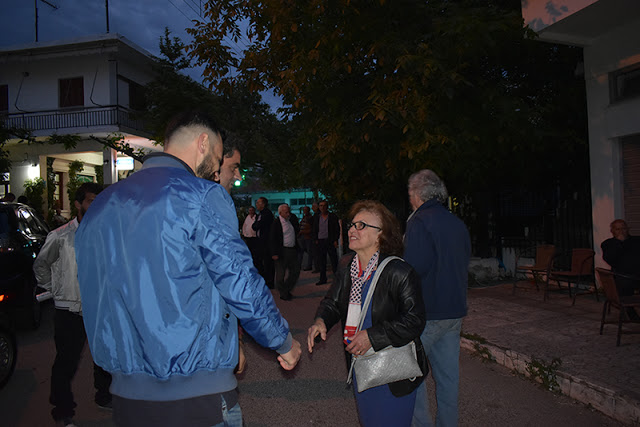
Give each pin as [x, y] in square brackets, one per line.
[33, 84]
[607, 122]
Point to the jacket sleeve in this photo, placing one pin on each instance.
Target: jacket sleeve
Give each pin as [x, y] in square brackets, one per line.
[405, 319]
[49, 254]
[231, 269]
[275, 237]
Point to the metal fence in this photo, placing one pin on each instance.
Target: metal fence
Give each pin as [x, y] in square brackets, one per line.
[70, 119]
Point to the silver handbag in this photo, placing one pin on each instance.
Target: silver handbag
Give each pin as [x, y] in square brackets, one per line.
[375, 368]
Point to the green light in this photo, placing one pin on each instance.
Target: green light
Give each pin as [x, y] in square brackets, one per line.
[237, 183]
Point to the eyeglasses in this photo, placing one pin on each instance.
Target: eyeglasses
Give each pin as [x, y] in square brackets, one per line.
[359, 225]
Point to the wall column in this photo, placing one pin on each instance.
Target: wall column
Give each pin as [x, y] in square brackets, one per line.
[109, 166]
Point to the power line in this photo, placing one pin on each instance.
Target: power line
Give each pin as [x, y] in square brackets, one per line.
[180, 10]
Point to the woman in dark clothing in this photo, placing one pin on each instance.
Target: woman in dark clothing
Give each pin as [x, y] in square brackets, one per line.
[395, 316]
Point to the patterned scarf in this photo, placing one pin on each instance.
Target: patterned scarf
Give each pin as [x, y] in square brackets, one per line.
[355, 298]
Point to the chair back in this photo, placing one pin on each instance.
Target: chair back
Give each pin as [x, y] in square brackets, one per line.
[544, 255]
[582, 261]
[608, 283]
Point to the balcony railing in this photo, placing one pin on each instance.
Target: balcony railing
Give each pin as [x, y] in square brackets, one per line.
[72, 119]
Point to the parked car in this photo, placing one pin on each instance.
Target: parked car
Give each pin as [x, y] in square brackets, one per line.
[8, 346]
[22, 234]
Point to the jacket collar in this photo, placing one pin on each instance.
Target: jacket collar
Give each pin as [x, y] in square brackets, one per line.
[164, 160]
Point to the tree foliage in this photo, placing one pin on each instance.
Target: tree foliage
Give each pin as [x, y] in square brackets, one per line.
[376, 90]
[239, 111]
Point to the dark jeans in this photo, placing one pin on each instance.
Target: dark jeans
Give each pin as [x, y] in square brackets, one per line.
[325, 247]
[69, 337]
[307, 246]
[208, 410]
[265, 263]
[287, 262]
[253, 245]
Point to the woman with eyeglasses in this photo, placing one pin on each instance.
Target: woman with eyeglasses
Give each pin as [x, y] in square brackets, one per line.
[394, 317]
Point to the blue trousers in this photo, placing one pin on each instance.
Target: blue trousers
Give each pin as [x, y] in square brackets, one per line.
[441, 341]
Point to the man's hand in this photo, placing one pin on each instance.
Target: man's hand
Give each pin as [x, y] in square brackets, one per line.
[242, 360]
[318, 328]
[274, 257]
[289, 360]
[335, 244]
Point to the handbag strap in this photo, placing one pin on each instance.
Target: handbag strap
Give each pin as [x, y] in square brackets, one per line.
[372, 288]
[367, 301]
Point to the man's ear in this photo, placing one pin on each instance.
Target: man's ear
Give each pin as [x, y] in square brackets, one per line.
[203, 142]
[78, 205]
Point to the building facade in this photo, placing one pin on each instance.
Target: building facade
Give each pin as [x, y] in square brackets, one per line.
[86, 87]
[608, 31]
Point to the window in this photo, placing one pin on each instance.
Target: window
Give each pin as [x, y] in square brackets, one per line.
[136, 96]
[4, 98]
[624, 83]
[71, 92]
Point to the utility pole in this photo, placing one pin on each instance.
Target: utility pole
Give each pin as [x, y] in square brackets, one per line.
[106, 7]
[35, 6]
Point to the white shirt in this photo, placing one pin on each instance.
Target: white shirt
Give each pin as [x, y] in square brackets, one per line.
[247, 231]
[288, 234]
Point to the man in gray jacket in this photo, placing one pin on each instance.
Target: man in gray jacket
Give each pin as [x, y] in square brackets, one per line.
[56, 270]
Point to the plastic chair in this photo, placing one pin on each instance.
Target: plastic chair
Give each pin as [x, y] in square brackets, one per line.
[607, 280]
[581, 272]
[541, 267]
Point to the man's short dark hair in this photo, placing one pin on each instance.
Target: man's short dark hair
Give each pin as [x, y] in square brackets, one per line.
[192, 118]
[87, 187]
[232, 142]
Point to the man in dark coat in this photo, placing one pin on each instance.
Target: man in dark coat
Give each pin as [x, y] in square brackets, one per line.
[262, 226]
[326, 232]
[284, 251]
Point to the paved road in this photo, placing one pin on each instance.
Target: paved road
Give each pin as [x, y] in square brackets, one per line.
[313, 395]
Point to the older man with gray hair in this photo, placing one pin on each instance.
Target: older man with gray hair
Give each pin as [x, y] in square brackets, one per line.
[283, 246]
[438, 247]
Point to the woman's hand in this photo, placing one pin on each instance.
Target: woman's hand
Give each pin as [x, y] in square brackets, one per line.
[318, 328]
[359, 344]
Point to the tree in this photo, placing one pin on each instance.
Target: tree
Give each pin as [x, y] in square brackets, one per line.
[239, 110]
[377, 90]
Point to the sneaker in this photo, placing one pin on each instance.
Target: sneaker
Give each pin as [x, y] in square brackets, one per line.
[106, 405]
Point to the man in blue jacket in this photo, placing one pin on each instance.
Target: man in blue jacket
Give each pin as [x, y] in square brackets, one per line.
[165, 278]
[438, 247]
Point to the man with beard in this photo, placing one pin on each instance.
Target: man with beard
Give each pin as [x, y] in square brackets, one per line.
[165, 278]
[55, 270]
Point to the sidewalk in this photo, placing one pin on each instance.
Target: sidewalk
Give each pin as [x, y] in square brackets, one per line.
[516, 329]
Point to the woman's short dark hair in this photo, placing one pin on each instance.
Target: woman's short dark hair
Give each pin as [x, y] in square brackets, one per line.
[390, 238]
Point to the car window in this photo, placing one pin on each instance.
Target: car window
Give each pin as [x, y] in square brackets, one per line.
[30, 224]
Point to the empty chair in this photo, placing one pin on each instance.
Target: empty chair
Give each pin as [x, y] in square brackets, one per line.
[581, 273]
[613, 299]
[540, 268]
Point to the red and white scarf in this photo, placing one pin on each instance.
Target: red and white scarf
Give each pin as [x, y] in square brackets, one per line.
[355, 298]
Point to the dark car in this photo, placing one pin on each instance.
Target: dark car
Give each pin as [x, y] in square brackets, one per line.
[22, 234]
[8, 348]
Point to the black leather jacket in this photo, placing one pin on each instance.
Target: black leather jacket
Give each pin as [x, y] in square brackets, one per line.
[397, 311]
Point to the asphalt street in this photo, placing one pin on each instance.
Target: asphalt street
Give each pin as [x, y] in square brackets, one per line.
[314, 394]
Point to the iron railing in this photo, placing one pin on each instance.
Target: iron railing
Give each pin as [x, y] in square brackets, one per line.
[70, 119]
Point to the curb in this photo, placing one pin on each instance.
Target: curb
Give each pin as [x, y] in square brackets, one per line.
[605, 400]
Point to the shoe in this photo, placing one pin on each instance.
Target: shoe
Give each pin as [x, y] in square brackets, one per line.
[321, 283]
[287, 297]
[106, 405]
[306, 269]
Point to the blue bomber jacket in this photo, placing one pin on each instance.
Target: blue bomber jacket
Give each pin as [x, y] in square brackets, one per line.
[164, 278]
